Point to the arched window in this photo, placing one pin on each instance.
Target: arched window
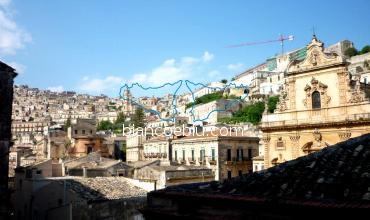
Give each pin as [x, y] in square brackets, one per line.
[316, 100]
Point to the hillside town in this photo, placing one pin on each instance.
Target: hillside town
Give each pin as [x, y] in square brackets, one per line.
[92, 153]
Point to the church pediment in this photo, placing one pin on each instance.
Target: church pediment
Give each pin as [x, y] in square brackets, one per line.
[315, 58]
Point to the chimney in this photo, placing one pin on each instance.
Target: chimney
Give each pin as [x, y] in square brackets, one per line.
[84, 172]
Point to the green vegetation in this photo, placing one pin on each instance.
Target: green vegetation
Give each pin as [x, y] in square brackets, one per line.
[116, 127]
[105, 125]
[365, 49]
[67, 124]
[251, 113]
[205, 99]
[353, 51]
[138, 118]
[272, 102]
[224, 81]
[121, 118]
[118, 124]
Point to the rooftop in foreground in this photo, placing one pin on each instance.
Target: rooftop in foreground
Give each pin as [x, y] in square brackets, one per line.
[338, 177]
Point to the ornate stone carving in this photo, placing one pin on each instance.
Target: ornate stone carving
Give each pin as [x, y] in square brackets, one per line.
[266, 139]
[315, 58]
[344, 135]
[295, 138]
[316, 144]
[316, 85]
[282, 105]
[356, 93]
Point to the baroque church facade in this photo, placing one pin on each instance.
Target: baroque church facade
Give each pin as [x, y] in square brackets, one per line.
[320, 104]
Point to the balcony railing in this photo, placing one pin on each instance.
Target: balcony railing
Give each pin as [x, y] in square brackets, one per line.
[155, 155]
[315, 116]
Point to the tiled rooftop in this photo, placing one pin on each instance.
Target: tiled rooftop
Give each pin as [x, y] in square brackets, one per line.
[339, 173]
[103, 188]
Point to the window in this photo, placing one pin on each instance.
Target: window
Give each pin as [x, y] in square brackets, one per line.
[183, 154]
[239, 154]
[240, 173]
[83, 131]
[75, 131]
[249, 154]
[175, 154]
[39, 172]
[89, 149]
[255, 168]
[316, 100]
[228, 154]
[213, 154]
[202, 154]
[90, 131]
[229, 174]
[192, 154]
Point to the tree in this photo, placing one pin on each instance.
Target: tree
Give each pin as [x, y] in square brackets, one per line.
[251, 113]
[67, 124]
[205, 99]
[224, 81]
[105, 125]
[118, 123]
[365, 49]
[350, 52]
[272, 102]
[121, 118]
[138, 118]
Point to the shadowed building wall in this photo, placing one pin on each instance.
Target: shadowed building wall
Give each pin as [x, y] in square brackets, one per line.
[7, 75]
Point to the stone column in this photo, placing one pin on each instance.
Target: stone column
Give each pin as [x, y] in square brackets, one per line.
[342, 86]
[266, 142]
[295, 145]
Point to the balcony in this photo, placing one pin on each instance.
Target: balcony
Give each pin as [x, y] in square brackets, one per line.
[238, 161]
[155, 155]
[314, 117]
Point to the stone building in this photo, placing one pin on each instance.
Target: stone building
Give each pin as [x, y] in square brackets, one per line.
[134, 146]
[128, 108]
[157, 148]
[321, 104]
[94, 165]
[211, 112]
[228, 156]
[84, 139]
[7, 75]
[164, 176]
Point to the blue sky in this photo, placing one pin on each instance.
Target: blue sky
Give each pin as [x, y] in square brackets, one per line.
[94, 46]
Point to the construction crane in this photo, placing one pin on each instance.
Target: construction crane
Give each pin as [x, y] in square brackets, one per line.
[281, 39]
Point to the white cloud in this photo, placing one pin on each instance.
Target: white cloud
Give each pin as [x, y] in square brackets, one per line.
[172, 70]
[56, 88]
[4, 3]
[207, 56]
[235, 66]
[12, 37]
[19, 68]
[100, 85]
